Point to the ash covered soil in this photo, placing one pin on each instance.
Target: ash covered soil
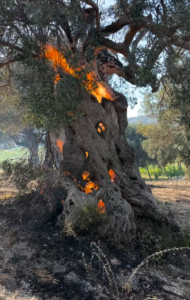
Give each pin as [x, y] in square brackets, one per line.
[38, 261]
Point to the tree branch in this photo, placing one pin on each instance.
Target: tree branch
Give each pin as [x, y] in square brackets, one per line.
[63, 22]
[138, 39]
[131, 34]
[116, 26]
[7, 62]
[114, 47]
[96, 8]
[180, 43]
[108, 64]
[11, 46]
[164, 17]
[125, 6]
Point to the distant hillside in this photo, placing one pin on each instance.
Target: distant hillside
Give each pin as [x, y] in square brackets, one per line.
[150, 119]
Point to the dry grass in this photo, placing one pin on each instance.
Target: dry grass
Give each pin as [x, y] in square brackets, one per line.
[171, 190]
[7, 189]
[175, 195]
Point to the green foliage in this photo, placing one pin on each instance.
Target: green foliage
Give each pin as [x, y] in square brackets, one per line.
[10, 114]
[85, 218]
[169, 139]
[22, 172]
[46, 105]
[135, 139]
[169, 171]
[17, 153]
[12, 154]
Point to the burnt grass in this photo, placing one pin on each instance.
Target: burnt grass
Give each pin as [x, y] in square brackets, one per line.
[38, 261]
[50, 265]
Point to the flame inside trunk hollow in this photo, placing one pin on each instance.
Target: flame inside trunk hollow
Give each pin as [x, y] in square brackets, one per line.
[94, 86]
[101, 206]
[60, 145]
[112, 174]
[101, 128]
[90, 185]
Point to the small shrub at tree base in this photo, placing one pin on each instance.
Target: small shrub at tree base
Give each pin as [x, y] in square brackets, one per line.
[22, 172]
[85, 218]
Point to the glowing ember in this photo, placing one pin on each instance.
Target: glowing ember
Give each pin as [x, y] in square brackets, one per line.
[41, 192]
[67, 173]
[85, 190]
[112, 174]
[101, 127]
[85, 175]
[60, 145]
[101, 206]
[86, 154]
[70, 113]
[58, 60]
[90, 185]
[57, 78]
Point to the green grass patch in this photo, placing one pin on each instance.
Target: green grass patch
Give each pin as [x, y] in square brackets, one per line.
[162, 173]
[13, 153]
[17, 153]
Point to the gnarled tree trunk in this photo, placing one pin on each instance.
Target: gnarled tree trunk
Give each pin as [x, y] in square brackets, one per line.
[95, 142]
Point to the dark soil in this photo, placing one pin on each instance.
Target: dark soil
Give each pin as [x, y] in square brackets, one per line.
[38, 262]
[43, 262]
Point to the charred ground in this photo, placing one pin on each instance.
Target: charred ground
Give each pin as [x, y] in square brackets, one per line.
[38, 261]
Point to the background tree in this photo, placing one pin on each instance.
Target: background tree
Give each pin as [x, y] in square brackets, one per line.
[135, 140]
[169, 139]
[45, 39]
[12, 125]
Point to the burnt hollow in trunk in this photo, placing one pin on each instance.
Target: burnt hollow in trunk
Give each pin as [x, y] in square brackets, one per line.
[95, 142]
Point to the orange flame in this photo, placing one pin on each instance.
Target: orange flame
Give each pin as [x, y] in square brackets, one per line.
[112, 174]
[58, 60]
[101, 206]
[70, 113]
[87, 154]
[57, 78]
[101, 127]
[89, 186]
[60, 145]
[85, 175]
[67, 173]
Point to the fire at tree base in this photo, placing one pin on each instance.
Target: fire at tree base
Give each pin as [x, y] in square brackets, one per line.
[98, 168]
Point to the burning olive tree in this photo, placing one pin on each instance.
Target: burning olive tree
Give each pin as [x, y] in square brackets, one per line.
[60, 55]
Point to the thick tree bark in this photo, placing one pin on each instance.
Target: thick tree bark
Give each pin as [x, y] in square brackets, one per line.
[97, 150]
